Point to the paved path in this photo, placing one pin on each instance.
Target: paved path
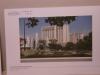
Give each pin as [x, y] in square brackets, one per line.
[61, 59]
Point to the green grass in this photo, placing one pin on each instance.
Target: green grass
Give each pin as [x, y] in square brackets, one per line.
[52, 54]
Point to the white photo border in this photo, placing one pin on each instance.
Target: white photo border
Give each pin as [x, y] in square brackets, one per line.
[54, 68]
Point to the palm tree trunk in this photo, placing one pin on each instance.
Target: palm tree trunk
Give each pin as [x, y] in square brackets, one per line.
[24, 36]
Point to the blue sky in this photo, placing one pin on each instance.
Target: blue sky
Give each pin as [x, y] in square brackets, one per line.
[81, 24]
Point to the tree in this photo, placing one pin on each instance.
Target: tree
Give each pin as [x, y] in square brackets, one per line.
[22, 42]
[42, 44]
[55, 46]
[88, 41]
[59, 21]
[31, 22]
[54, 41]
[85, 44]
[69, 46]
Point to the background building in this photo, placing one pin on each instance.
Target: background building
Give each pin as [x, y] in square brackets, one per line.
[76, 36]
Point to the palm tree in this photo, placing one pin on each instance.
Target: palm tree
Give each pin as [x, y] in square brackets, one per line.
[31, 22]
[59, 21]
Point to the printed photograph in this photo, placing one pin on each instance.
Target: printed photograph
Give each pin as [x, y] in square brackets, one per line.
[56, 37]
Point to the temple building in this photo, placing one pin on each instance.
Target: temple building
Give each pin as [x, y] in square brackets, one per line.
[60, 34]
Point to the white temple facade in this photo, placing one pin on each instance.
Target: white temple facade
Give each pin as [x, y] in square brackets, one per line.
[59, 33]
